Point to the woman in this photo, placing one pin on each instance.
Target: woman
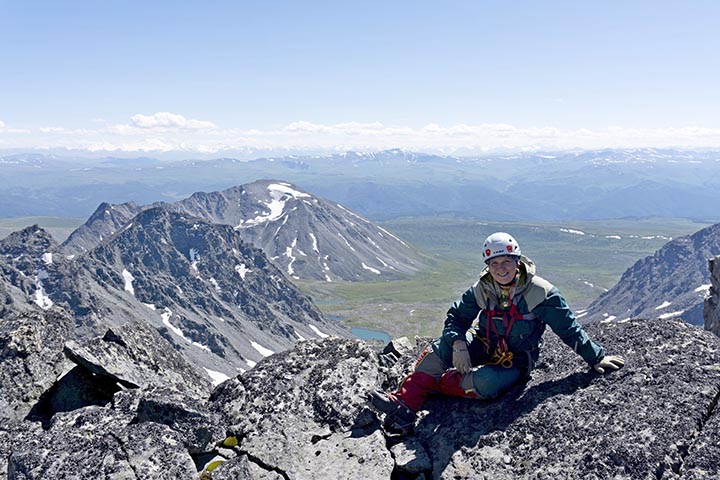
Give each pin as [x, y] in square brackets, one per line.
[513, 306]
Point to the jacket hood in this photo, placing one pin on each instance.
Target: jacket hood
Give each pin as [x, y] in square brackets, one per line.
[533, 288]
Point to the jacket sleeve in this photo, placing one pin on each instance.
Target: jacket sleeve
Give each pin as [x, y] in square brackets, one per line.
[554, 311]
[460, 317]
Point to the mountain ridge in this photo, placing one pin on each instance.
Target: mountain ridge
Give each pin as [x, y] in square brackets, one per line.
[674, 281]
[303, 234]
[208, 293]
[393, 183]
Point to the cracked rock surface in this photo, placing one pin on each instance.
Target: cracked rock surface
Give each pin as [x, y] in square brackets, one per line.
[119, 441]
[656, 418]
[568, 422]
[711, 306]
[302, 414]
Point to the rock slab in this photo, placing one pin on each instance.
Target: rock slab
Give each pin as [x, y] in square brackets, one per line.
[711, 307]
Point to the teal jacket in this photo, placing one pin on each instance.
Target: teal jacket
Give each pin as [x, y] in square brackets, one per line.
[540, 303]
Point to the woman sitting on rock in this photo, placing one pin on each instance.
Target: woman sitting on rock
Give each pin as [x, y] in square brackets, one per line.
[513, 306]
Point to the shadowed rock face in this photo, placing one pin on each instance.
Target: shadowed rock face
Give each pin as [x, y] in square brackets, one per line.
[301, 414]
[711, 310]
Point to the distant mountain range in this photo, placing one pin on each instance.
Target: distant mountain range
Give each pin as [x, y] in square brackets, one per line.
[673, 282]
[541, 186]
[304, 235]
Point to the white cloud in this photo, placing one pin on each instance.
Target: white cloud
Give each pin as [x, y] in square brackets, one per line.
[168, 120]
[2, 124]
[349, 128]
[168, 132]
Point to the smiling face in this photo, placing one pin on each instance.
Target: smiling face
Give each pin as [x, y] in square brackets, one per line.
[503, 269]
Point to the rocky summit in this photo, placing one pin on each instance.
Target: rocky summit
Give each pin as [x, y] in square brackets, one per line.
[302, 414]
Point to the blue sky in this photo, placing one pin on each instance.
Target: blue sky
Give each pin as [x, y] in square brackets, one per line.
[458, 76]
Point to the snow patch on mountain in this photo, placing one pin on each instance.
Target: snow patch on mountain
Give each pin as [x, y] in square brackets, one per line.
[41, 298]
[242, 270]
[392, 236]
[127, 276]
[346, 241]
[314, 242]
[318, 332]
[217, 377]
[280, 193]
[194, 257]
[373, 270]
[166, 321]
[265, 352]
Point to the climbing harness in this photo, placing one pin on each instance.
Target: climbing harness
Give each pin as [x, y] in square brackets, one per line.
[502, 356]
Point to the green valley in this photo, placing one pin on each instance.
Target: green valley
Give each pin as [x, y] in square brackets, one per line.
[582, 258]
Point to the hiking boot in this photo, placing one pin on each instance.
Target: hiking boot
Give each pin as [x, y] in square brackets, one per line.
[398, 417]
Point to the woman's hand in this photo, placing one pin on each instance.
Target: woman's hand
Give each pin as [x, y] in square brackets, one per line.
[461, 357]
[612, 362]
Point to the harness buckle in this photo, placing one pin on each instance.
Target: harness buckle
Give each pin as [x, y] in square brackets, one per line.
[502, 358]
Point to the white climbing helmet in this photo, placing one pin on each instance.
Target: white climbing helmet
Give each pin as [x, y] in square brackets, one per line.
[499, 244]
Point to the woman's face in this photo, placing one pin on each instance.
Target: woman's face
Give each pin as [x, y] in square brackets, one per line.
[503, 269]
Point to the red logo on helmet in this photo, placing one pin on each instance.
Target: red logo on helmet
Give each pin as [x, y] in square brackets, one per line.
[487, 252]
[509, 248]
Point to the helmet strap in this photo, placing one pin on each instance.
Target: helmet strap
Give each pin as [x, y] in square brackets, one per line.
[508, 285]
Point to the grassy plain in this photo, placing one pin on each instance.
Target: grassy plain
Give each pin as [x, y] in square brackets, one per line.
[59, 228]
[583, 259]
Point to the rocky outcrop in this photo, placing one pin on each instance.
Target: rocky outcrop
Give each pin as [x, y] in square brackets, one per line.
[711, 310]
[129, 357]
[26, 257]
[567, 422]
[141, 434]
[119, 406]
[301, 414]
[31, 360]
